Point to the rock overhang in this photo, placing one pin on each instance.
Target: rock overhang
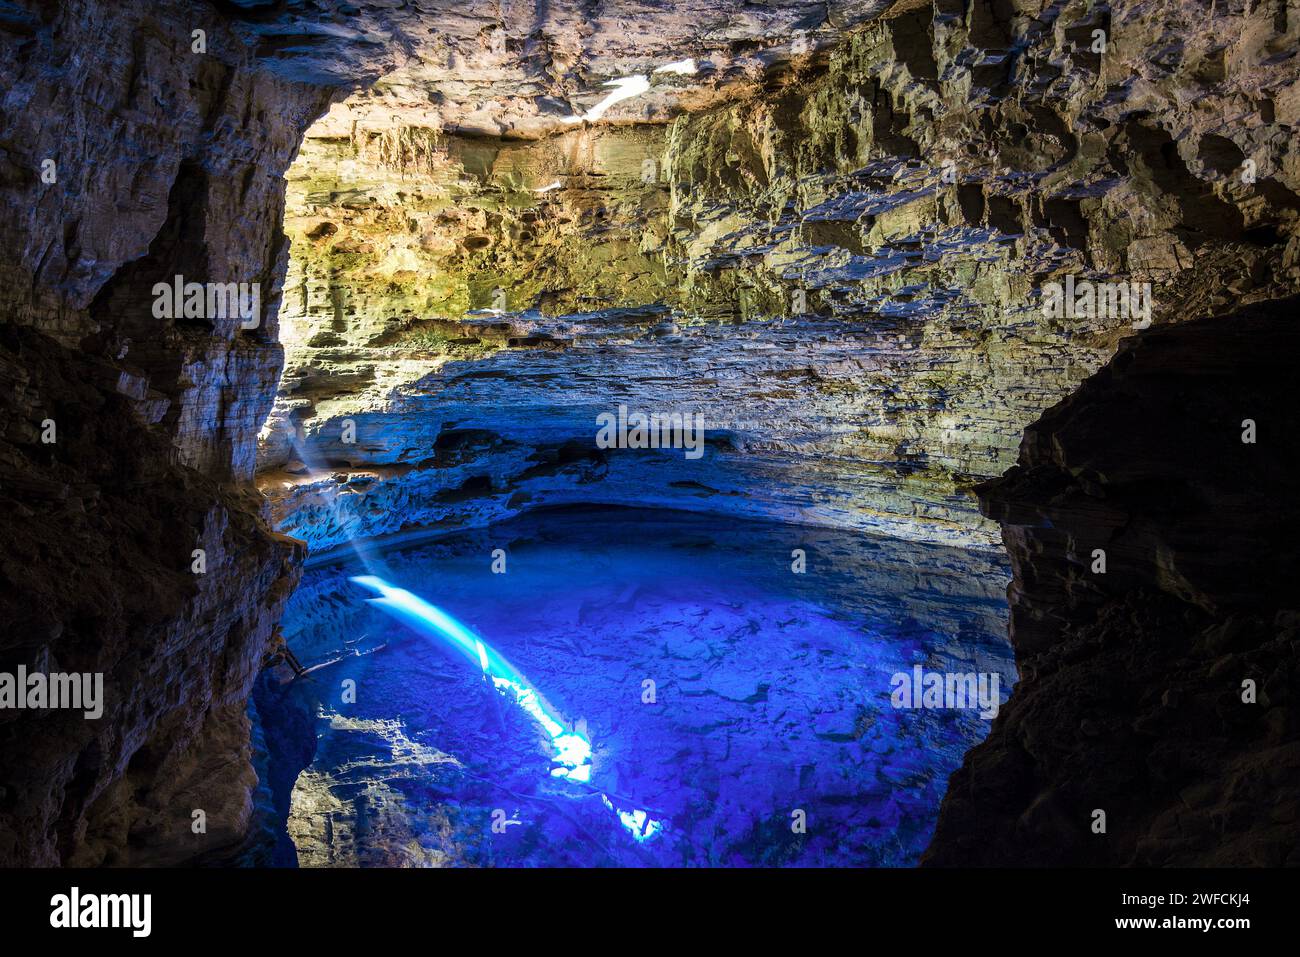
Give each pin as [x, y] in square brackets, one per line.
[525, 72]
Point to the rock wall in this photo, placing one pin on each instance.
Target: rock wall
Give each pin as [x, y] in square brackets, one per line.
[1153, 615]
[878, 223]
[124, 437]
[954, 159]
[478, 440]
[392, 227]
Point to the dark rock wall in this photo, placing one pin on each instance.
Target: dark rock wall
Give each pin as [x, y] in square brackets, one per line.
[1161, 690]
[166, 161]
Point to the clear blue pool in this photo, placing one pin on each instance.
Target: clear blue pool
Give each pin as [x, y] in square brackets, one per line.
[738, 713]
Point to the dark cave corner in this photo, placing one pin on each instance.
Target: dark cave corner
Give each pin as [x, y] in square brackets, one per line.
[832, 232]
[1159, 692]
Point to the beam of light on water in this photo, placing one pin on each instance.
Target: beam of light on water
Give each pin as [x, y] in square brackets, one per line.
[572, 749]
[572, 757]
[641, 825]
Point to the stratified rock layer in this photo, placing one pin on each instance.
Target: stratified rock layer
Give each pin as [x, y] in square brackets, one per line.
[122, 434]
[900, 202]
[1160, 691]
[479, 440]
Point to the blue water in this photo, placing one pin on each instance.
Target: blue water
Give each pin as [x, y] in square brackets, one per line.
[742, 709]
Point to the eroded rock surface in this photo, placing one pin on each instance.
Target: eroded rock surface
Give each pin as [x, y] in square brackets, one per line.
[528, 69]
[906, 197]
[1161, 691]
[479, 440]
[123, 436]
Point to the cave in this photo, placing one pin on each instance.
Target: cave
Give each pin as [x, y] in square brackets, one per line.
[617, 434]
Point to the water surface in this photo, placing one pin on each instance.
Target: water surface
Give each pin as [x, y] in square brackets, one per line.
[744, 708]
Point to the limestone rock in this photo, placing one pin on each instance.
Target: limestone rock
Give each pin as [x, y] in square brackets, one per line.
[1159, 691]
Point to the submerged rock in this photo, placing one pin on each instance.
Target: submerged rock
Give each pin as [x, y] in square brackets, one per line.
[723, 693]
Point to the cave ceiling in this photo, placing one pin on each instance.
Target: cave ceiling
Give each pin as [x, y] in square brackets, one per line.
[530, 69]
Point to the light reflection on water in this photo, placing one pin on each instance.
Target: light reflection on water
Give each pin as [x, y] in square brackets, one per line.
[721, 692]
